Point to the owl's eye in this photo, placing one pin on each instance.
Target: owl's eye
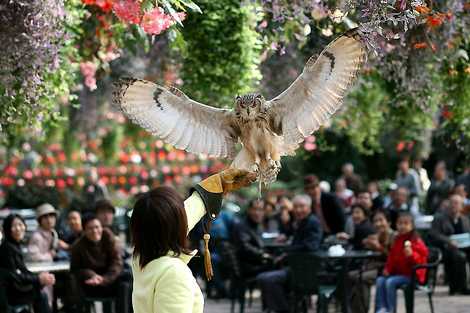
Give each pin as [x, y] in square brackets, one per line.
[254, 103]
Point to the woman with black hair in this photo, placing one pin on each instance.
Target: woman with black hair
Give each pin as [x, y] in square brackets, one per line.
[160, 223]
[22, 286]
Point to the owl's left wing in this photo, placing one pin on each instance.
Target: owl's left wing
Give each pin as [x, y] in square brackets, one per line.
[318, 92]
[176, 119]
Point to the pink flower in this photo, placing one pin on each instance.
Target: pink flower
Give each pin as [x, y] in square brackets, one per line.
[90, 82]
[181, 16]
[88, 68]
[127, 11]
[155, 21]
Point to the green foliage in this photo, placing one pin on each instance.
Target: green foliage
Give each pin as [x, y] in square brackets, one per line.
[220, 52]
[25, 120]
[456, 113]
[110, 144]
[364, 118]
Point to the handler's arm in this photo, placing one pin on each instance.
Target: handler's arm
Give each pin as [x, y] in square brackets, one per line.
[195, 209]
[207, 196]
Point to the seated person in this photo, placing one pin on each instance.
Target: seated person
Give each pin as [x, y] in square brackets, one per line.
[271, 217]
[22, 286]
[398, 204]
[97, 264]
[325, 206]
[105, 212]
[377, 200]
[362, 227]
[449, 223]
[307, 238]
[74, 231]
[286, 217]
[44, 242]
[247, 238]
[345, 195]
[363, 198]
[384, 235]
[407, 251]
[361, 281]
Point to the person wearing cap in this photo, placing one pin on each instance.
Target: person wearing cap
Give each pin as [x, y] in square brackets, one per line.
[44, 242]
[160, 223]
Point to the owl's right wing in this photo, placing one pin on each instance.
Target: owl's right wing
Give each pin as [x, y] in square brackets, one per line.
[318, 92]
[176, 119]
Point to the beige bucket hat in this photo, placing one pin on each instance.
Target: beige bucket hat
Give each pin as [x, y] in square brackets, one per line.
[45, 209]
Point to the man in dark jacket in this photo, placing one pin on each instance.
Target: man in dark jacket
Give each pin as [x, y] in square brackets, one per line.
[97, 264]
[307, 238]
[247, 238]
[325, 206]
[445, 225]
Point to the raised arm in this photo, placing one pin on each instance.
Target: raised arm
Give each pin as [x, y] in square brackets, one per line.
[206, 198]
[195, 209]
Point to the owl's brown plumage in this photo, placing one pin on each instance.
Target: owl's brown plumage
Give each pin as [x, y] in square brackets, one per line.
[266, 129]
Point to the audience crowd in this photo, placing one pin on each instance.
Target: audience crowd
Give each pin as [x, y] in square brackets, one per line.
[254, 246]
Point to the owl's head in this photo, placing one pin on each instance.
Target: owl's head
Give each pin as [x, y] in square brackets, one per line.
[249, 106]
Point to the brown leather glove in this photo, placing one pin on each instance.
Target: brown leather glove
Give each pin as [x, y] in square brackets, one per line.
[214, 187]
[228, 180]
[211, 191]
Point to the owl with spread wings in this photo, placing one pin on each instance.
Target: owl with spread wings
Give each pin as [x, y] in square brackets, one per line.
[267, 130]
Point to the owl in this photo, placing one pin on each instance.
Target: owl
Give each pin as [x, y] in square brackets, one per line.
[266, 129]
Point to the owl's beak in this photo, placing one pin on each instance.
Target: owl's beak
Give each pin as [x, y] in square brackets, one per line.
[248, 111]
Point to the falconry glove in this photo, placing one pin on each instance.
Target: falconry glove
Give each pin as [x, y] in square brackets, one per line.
[211, 191]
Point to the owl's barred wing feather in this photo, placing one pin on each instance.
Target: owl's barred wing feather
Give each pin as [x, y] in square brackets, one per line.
[318, 92]
[176, 119]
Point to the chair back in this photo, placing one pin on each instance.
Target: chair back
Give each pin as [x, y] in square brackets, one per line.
[303, 273]
[228, 254]
[434, 258]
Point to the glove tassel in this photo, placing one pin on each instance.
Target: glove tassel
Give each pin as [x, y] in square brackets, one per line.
[207, 258]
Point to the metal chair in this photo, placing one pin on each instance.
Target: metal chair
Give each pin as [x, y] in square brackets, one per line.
[238, 284]
[434, 258]
[87, 303]
[304, 282]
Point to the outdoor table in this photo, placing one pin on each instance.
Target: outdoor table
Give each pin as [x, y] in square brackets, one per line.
[344, 261]
[462, 240]
[57, 267]
[52, 267]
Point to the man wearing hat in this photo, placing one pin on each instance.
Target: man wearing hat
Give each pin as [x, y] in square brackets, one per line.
[44, 242]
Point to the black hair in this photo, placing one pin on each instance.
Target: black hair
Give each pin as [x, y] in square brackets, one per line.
[357, 205]
[383, 212]
[104, 205]
[159, 225]
[8, 224]
[88, 217]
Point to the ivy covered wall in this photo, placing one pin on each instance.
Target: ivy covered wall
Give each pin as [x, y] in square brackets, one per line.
[221, 52]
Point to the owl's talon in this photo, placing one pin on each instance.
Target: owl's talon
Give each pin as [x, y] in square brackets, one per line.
[255, 169]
